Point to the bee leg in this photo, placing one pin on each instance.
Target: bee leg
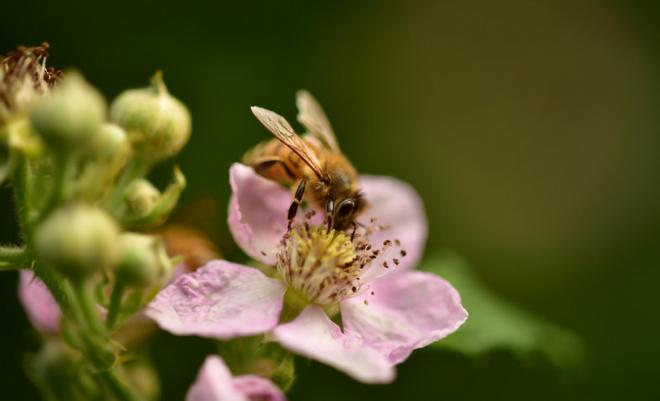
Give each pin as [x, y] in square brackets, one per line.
[329, 212]
[297, 198]
[354, 229]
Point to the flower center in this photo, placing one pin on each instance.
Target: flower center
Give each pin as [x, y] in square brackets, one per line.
[324, 266]
[321, 266]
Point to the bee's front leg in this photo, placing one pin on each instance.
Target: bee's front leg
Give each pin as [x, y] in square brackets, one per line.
[297, 199]
[329, 212]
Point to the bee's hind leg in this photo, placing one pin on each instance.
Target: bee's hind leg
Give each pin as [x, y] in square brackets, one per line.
[297, 199]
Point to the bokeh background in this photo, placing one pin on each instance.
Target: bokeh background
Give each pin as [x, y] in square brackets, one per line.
[530, 128]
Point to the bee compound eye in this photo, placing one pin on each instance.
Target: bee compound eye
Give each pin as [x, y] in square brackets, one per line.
[346, 207]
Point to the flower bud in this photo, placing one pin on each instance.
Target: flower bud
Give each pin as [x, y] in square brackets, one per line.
[142, 259]
[141, 197]
[70, 115]
[158, 125]
[111, 144]
[105, 159]
[77, 241]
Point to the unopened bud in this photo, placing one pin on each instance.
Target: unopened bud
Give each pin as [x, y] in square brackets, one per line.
[105, 159]
[70, 115]
[111, 144]
[142, 259]
[77, 240]
[141, 197]
[158, 124]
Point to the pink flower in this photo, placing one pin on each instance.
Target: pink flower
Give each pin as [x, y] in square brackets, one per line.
[387, 309]
[40, 306]
[215, 383]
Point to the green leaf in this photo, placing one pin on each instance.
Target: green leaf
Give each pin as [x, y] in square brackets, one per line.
[496, 324]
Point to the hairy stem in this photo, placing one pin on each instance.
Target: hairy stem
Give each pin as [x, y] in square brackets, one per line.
[115, 305]
[12, 258]
[64, 170]
[85, 297]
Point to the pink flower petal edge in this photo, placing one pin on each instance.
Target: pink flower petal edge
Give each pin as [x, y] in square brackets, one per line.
[408, 310]
[257, 213]
[219, 300]
[215, 383]
[40, 306]
[314, 335]
[258, 389]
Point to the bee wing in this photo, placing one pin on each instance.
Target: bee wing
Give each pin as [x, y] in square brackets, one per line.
[312, 116]
[283, 131]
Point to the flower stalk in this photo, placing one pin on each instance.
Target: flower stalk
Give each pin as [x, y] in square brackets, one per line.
[69, 168]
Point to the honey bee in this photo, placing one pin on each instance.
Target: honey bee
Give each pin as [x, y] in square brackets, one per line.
[312, 163]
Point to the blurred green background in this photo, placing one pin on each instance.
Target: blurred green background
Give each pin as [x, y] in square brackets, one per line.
[530, 128]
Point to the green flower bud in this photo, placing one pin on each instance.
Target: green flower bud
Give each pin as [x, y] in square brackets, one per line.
[77, 241]
[142, 259]
[158, 125]
[70, 115]
[105, 159]
[141, 197]
[111, 145]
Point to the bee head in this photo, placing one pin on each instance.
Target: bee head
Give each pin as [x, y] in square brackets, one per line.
[346, 210]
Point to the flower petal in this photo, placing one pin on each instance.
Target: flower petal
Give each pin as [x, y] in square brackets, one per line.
[408, 310]
[257, 213]
[219, 300]
[396, 205]
[258, 389]
[39, 304]
[314, 335]
[214, 383]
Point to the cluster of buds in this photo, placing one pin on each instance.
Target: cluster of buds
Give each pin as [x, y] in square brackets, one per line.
[78, 168]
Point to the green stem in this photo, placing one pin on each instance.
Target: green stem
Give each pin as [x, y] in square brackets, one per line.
[137, 167]
[12, 258]
[115, 306]
[20, 197]
[122, 391]
[64, 169]
[95, 343]
[85, 297]
[57, 286]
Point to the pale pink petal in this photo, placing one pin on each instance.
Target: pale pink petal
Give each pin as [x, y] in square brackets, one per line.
[257, 213]
[219, 300]
[314, 335]
[395, 205]
[408, 310]
[39, 304]
[258, 389]
[214, 383]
